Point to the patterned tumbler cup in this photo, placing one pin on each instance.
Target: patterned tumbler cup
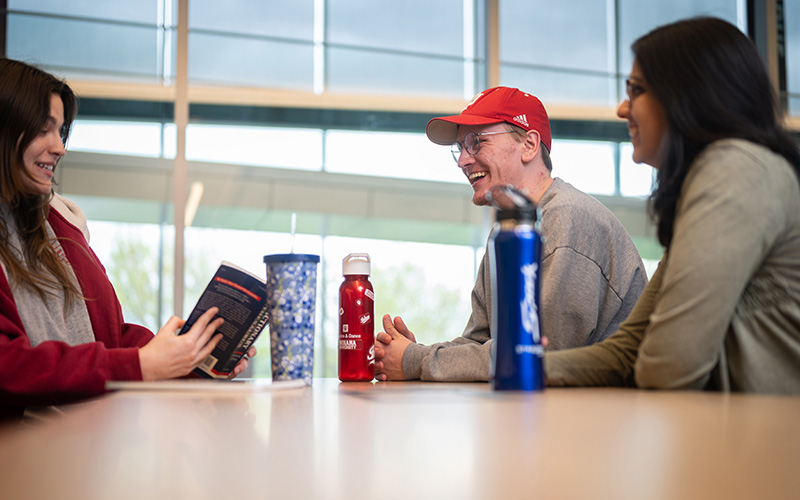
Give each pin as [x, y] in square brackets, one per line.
[291, 301]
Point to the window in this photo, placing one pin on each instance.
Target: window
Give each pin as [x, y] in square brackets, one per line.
[409, 156]
[792, 26]
[574, 53]
[359, 180]
[393, 48]
[127, 138]
[260, 146]
[122, 40]
[143, 283]
[266, 43]
[638, 18]
[635, 179]
[561, 52]
[128, 11]
[589, 166]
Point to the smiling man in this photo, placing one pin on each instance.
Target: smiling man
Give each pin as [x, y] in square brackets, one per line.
[592, 274]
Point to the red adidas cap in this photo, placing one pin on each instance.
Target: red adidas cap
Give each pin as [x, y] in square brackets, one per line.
[495, 105]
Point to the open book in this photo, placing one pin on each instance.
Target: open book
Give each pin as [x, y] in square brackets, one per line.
[241, 297]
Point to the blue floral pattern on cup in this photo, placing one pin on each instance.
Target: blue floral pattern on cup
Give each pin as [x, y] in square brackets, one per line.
[291, 300]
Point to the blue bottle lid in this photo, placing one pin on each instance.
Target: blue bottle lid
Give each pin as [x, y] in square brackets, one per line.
[511, 203]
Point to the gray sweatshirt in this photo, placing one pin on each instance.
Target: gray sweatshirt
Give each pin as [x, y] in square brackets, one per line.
[723, 310]
[591, 277]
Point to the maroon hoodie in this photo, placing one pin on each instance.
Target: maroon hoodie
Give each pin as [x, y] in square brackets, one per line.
[55, 372]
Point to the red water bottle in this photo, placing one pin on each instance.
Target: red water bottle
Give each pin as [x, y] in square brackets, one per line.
[356, 320]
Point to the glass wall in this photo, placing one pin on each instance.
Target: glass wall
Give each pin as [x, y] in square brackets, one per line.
[587, 165]
[637, 18]
[562, 52]
[125, 40]
[265, 146]
[577, 53]
[359, 179]
[266, 43]
[393, 48]
[389, 154]
[122, 137]
[792, 25]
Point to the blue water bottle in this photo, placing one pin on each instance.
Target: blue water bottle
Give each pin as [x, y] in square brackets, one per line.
[514, 258]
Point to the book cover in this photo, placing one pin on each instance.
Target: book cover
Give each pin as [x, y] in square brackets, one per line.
[241, 297]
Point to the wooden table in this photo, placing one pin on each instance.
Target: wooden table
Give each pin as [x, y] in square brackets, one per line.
[409, 441]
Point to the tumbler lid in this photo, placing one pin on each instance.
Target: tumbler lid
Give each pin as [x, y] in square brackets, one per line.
[291, 257]
[356, 263]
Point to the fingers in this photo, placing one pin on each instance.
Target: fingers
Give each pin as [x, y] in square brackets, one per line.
[241, 366]
[169, 355]
[243, 363]
[402, 328]
[204, 328]
[172, 326]
[383, 337]
[199, 327]
[201, 335]
[201, 330]
[388, 327]
[394, 329]
[210, 329]
[207, 348]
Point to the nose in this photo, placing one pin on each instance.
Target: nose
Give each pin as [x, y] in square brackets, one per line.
[465, 159]
[57, 146]
[624, 109]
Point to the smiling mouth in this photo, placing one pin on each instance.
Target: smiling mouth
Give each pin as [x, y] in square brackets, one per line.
[474, 176]
[45, 166]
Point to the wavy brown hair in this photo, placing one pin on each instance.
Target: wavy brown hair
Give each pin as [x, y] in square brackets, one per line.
[25, 99]
[713, 85]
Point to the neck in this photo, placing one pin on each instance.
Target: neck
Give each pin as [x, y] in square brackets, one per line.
[540, 183]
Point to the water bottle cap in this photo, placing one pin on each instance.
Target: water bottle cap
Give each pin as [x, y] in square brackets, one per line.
[356, 263]
[525, 214]
[511, 203]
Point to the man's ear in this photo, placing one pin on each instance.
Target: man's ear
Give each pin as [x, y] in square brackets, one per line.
[530, 145]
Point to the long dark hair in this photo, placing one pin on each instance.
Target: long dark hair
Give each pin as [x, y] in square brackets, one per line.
[25, 99]
[713, 85]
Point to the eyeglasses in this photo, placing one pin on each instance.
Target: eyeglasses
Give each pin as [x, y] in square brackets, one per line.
[472, 143]
[633, 90]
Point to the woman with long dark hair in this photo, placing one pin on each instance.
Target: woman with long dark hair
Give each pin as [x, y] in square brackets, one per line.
[722, 312]
[62, 335]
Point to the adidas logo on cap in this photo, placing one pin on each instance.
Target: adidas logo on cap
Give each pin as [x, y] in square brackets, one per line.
[522, 120]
